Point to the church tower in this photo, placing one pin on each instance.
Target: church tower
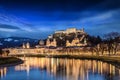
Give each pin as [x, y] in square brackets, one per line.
[27, 45]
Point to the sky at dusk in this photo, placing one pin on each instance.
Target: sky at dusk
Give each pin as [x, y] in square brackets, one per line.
[39, 18]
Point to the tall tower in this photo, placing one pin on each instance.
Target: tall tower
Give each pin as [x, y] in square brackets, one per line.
[27, 45]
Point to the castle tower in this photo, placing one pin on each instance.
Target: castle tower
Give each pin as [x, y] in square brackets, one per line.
[27, 45]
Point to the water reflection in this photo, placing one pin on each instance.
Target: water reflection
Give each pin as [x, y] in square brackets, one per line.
[63, 69]
[3, 72]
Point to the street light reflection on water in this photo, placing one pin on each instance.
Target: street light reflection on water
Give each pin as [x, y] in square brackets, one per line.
[60, 69]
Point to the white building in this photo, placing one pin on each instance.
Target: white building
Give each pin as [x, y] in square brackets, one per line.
[70, 30]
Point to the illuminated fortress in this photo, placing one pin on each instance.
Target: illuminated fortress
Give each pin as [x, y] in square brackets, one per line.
[70, 30]
[81, 41]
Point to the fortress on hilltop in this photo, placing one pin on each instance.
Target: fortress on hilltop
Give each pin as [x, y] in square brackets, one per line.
[71, 37]
[70, 30]
[78, 38]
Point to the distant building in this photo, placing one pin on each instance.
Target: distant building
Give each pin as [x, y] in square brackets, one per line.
[23, 46]
[51, 43]
[70, 30]
[27, 45]
[41, 42]
[68, 43]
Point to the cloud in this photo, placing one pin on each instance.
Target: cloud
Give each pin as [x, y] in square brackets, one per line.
[8, 28]
[10, 19]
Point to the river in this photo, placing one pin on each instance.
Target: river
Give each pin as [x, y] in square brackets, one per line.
[35, 68]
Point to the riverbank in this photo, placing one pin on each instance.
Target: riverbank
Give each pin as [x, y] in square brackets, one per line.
[115, 60]
[8, 61]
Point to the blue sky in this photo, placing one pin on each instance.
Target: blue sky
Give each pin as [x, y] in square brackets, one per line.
[39, 18]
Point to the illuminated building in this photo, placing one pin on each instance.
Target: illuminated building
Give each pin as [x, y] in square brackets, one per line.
[51, 43]
[70, 30]
[27, 45]
[23, 46]
[77, 42]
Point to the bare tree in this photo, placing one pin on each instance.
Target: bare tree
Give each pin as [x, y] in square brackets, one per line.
[112, 40]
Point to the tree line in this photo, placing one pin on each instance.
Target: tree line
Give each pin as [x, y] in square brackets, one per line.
[109, 44]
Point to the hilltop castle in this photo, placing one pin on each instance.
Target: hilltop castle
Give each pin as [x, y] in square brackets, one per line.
[71, 30]
[77, 41]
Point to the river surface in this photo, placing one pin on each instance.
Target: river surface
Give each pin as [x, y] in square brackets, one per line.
[60, 69]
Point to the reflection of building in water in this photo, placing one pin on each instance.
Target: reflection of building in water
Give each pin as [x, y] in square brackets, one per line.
[71, 68]
[3, 72]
